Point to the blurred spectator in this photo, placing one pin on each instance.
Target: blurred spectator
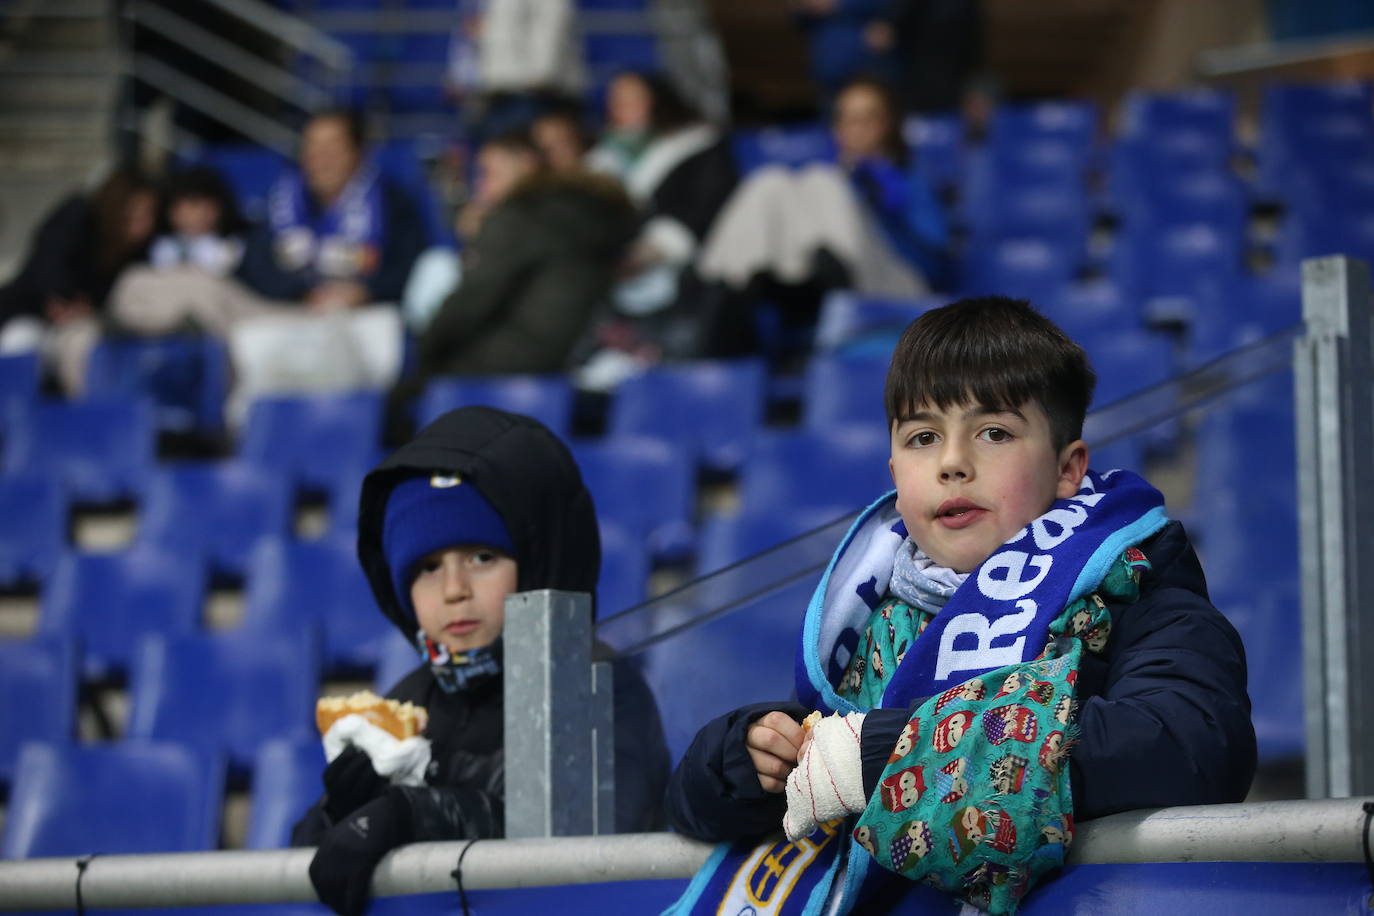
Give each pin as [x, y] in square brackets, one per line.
[73, 260]
[339, 233]
[846, 39]
[936, 48]
[202, 225]
[542, 257]
[866, 223]
[561, 135]
[679, 171]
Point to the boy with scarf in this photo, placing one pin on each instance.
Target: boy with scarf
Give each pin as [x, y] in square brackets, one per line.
[481, 503]
[1007, 644]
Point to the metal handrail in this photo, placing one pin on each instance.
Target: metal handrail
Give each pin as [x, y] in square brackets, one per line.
[1286, 831]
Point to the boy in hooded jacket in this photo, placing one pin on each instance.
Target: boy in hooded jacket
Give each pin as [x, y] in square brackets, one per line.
[480, 504]
[1005, 645]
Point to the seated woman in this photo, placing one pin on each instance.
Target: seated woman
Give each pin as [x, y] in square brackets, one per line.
[864, 222]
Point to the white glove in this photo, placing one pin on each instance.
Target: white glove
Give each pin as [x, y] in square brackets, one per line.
[403, 762]
[828, 781]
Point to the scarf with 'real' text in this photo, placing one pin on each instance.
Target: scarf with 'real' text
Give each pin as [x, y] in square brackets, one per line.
[1012, 612]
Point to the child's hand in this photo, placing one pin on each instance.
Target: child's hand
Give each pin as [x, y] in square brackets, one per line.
[774, 744]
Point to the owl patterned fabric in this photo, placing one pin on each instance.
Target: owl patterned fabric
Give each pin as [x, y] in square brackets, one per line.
[975, 798]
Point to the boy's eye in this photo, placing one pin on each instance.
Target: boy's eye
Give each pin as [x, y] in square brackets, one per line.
[429, 566]
[483, 557]
[923, 439]
[995, 434]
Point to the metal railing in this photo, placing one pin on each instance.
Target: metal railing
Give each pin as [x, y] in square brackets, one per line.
[1327, 831]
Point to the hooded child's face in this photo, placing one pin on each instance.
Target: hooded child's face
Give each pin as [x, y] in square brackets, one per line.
[459, 594]
[969, 477]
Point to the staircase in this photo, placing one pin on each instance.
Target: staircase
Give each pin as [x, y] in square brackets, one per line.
[58, 81]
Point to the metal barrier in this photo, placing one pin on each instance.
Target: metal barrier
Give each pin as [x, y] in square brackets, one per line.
[1298, 831]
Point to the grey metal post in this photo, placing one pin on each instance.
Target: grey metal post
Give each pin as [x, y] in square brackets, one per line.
[1334, 406]
[558, 719]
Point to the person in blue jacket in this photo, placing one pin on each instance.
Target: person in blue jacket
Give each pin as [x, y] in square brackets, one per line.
[1006, 645]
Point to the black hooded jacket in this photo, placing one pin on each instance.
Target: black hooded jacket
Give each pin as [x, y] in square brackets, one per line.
[530, 478]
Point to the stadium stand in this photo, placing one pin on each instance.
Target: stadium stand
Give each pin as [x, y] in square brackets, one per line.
[547, 398]
[187, 378]
[645, 486]
[35, 531]
[101, 451]
[308, 437]
[286, 781]
[38, 695]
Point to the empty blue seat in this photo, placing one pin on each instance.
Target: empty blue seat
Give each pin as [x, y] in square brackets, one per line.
[221, 508]
[937, 148]
[1071, 122]
[1210, 196]
[109, 601]
[186, 378]
[791, 146]
[609, 53]
[38, 680]
[1207, 110]
[1048, 209]
[102, 451]
[624, 578]
[250, 170]
[1263, 304]
[132, 797]
[226, 692]
[1128, 361]
[307, 437]
[1089, 309]
[1199, 260]
[795, 469]
[296, 582]
[840, 391]
[645, 486]
[400, 656]
[19, 377]
[35, 529]
[286, 782]
[727, 539]
[855, 326]
[546, 398]
[1029, 267]
[709, 409]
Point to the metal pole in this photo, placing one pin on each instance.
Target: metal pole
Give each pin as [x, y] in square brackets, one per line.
[558, 718]
[1334, 406]
[1289, 831]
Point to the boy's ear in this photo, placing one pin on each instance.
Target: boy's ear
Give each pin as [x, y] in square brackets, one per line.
[891, 472]
[1073, 464]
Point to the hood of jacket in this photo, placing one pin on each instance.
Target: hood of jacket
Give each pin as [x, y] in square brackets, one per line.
[523, 470]
[590, 215]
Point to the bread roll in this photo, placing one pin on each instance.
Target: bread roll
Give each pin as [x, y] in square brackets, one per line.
[404, 720]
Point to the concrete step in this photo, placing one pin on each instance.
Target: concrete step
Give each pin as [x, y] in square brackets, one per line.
[48, 63]
[66, 34]
[51, 157]
[24, 128]
[74, 94]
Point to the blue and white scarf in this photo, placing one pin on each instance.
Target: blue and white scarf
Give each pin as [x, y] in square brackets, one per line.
[342, 241]
[1000, 615]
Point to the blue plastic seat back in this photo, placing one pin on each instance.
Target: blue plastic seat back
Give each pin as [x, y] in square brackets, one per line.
[250, 170]
[856, 326]
[546, 398]
[728, 539]
[223, 507]
[20, 374]
[607, 54]
[1128, 361]
[126, 798]
[709, 409]
[792, 146]
[286, 782]
[1207, 110]
[624, 578]
[841, 466]
[109, 601]
[226, 692]
[102, 451]
[643, 485]
[837, 390]
[1071, 122]
[308, 436]
[294, 582]
[1052, 209]
[35, 529]
[1030, 267]
[1263, 304]
[1088, 309]
[1189, 260]
[187, 378]
[38, 680]
[1212, 196]
[937, 148]
[400, 656]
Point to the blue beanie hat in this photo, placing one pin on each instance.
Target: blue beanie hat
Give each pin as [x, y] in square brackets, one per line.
[428, 513]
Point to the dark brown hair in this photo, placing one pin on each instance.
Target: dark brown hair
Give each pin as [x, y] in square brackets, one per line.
[995, 352]
[110, 204]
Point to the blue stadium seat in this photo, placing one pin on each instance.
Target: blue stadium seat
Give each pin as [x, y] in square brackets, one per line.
[645, 486]
[399, 657]
[132, 797]
[1263, 304]
[1198, 260]
[1068, 121]
[708, 409]
[807, 468]
[223, 508]
[727, 539]
[791, 146]
[250, 170]
[102, 451]
[1089, 309]
[109, 601]
[855, 326]
[546, 398]
[624, 580]
[308, 437]
[344, 494]
[1206, 110]
[1128, 361]
[35, 529]
[1029, 267]
[286, 782]
[38, 681]
[20, 375]
[1208, 196]
[838, 391]
[297, 582]
[937, 148]
[609, 53]
[1048, 209]
[226, 692]
[187, 378]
